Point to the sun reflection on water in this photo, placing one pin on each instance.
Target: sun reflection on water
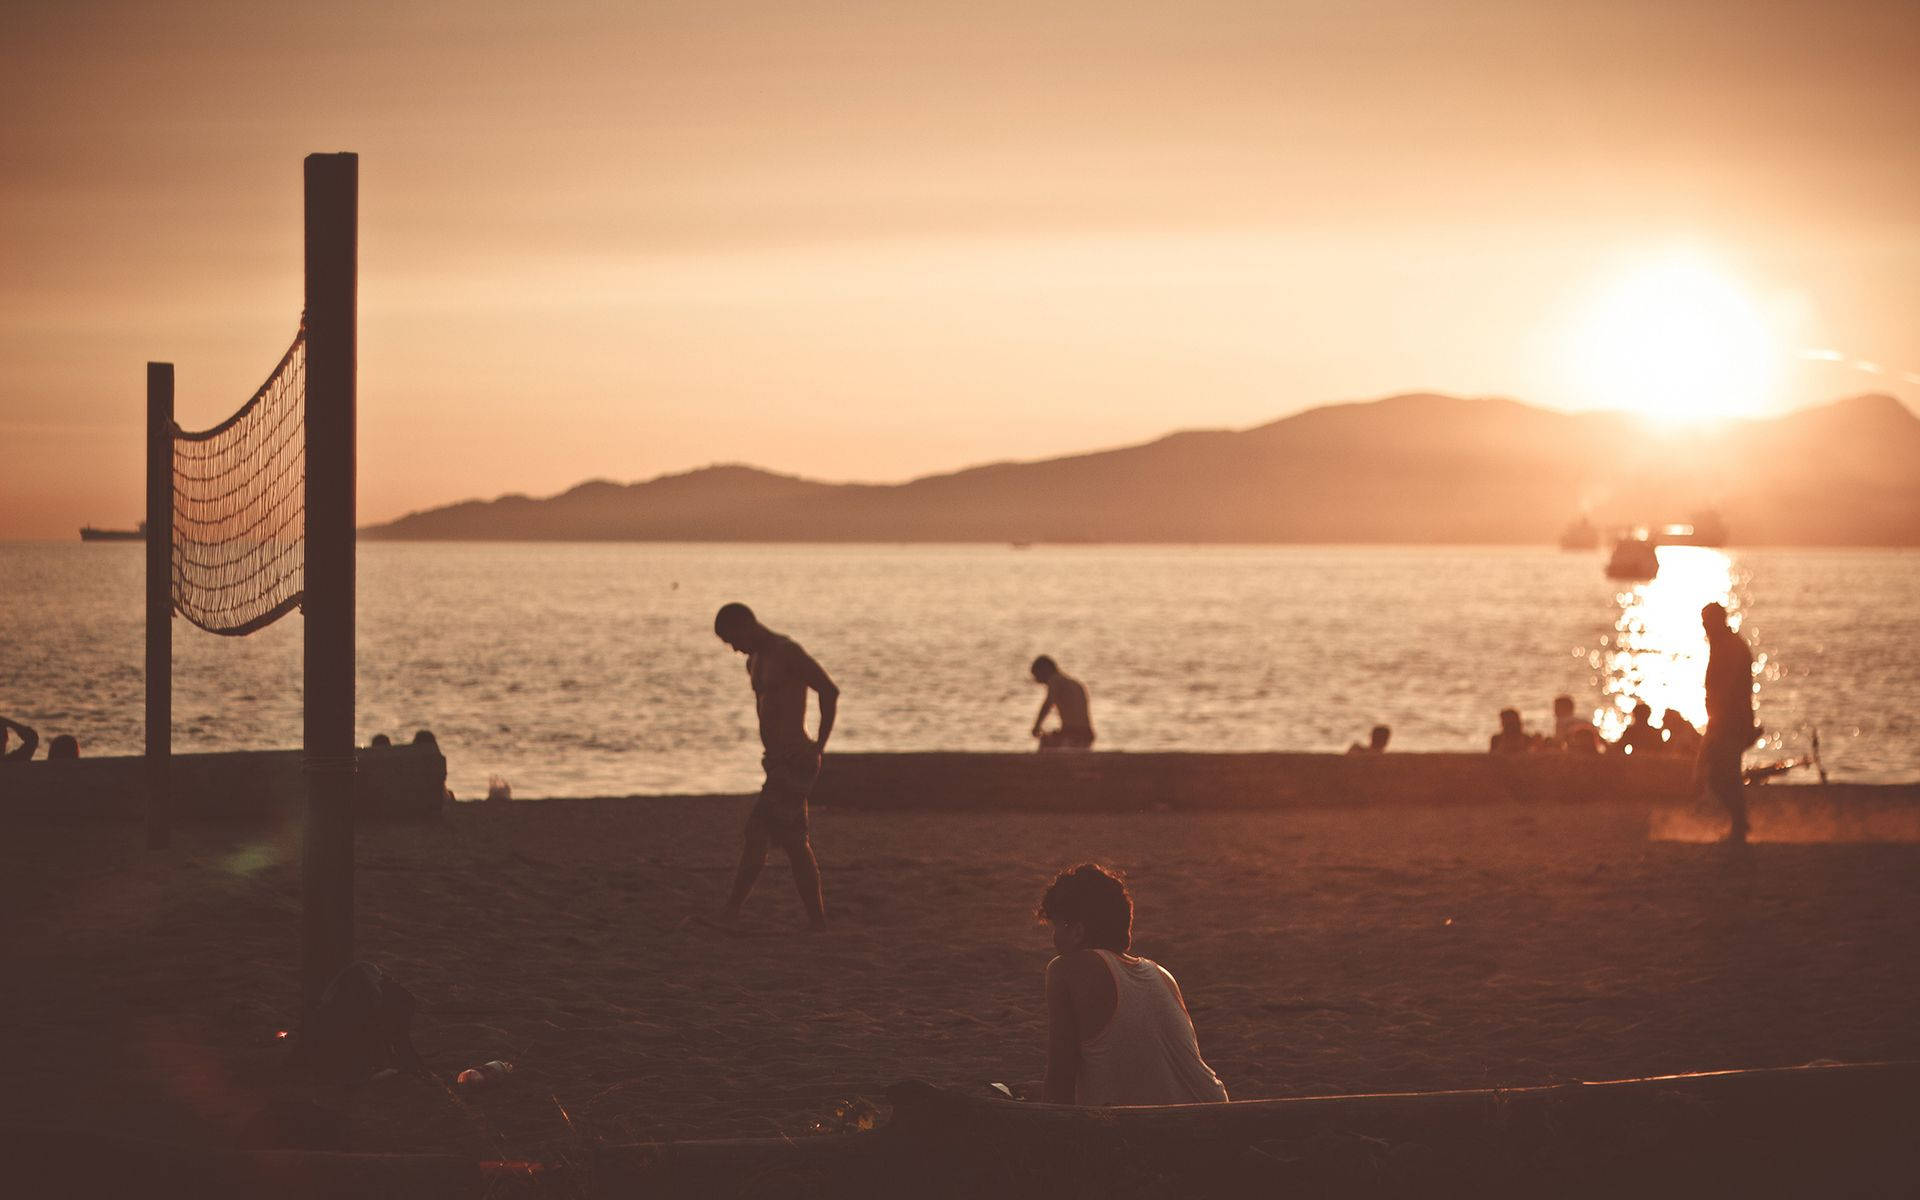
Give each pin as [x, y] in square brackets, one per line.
[1658, 650]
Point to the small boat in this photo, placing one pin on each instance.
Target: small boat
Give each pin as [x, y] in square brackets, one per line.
[1581, 535]
[1706, 529]
[1634, 557]
[89, 534]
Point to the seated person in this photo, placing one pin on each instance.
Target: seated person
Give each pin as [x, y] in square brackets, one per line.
[29, 741]
[380, 741]
[63, 746]
[1511, 739]
[1567, 727]
[1117, 1027]
[1068, 695]
[1376, 742]
[1640, 736]
[1682, 737]
[1584, 739]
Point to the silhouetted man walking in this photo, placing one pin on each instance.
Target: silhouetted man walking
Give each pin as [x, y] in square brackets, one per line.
[1730, 728]
[781, 673]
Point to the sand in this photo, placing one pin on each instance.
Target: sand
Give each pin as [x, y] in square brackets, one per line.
[1321, 951]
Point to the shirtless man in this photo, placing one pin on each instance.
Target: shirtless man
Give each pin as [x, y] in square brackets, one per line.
[1068, 695]
[1730, 727]
[781, 673]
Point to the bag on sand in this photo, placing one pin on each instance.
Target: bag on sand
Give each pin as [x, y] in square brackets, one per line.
[361, 1025]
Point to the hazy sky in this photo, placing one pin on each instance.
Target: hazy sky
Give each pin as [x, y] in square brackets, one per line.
[868, 241]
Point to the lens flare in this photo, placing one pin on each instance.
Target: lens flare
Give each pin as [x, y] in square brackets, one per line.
[1658, 651]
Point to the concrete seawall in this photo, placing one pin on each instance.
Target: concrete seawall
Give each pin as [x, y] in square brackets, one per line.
[408, 782]
[401, 782]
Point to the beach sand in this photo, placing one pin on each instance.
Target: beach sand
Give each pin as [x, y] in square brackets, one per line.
[1325, 950]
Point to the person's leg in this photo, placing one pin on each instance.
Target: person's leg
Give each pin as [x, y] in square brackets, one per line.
[1723, 780]
[806, 876]
[753, 856]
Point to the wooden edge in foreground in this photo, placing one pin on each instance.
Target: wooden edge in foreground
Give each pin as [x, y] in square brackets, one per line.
[1843, 1129]
[917, 1103]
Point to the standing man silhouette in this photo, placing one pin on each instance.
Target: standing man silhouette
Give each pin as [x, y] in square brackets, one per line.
[781, 673]
[1730, 727]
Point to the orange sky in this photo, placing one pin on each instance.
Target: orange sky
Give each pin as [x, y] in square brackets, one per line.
[870, 240]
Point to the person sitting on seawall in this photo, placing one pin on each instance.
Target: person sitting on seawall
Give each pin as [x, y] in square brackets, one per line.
[1640, 737]
[29, 741]
[63, 745]
[1068, 695]
[1376, 742]
[1118, 1031]
[424, 739]
[1511, 739]
[1583, 740]
[1571, 732]
[1682, 737]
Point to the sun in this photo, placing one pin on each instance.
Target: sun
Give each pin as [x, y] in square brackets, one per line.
[1676, 338]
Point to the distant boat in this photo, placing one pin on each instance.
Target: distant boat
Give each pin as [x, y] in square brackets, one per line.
[1707, 529]
[1633, 557]
[89, 534]
[1581, 535]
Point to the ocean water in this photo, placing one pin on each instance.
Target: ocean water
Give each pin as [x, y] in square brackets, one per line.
[590, 669]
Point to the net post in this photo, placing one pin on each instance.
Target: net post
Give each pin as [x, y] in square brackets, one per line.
[332, 252]
[159, 751]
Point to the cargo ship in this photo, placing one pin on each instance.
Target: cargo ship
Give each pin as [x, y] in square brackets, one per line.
[89, 534]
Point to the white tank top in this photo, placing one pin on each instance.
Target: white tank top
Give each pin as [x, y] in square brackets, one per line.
[1147, 1054]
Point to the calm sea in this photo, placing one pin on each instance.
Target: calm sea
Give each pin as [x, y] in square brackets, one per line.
[592, 669]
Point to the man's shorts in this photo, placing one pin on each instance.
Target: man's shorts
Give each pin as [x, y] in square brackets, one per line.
[1067, 739]
[782, 804]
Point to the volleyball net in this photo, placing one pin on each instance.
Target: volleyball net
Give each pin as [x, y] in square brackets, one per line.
[254, 518]
[238, 554]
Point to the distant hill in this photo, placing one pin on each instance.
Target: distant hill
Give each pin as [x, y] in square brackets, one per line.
[1413, 468]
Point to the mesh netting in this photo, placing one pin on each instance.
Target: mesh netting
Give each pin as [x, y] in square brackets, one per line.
[239, 508]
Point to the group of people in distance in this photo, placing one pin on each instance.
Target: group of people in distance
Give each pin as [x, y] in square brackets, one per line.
[63, 745]
[1118, 1028]
[1731, 727]
[1575, 735]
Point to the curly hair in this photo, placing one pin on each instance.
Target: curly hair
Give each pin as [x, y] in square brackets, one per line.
[1095, 897]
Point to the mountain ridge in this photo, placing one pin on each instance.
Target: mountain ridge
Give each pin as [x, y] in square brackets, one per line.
[1412, 467]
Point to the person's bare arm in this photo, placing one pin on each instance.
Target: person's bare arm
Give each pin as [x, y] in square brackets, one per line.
[28, 739]
[815, 676]
[1046, 706]
[1063, 1037]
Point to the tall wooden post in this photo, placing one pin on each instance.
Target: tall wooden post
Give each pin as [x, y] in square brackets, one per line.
[332, 235]
[159, 605]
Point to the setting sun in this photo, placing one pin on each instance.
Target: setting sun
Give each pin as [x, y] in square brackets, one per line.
[1678, 339]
